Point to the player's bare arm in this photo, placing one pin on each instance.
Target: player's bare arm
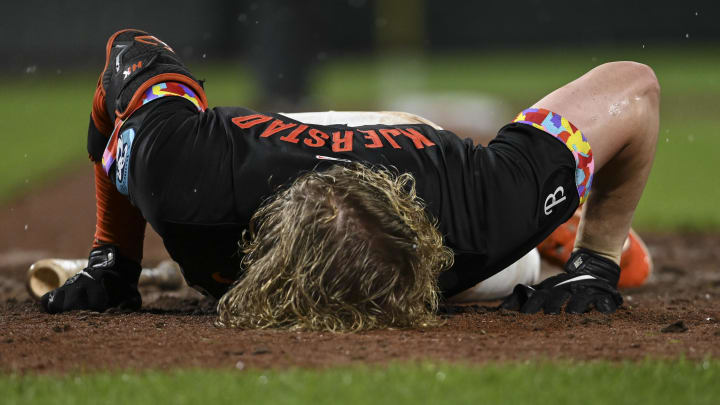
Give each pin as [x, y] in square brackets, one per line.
[617, 105]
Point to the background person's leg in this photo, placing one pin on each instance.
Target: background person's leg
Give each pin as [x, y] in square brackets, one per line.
[616, 106]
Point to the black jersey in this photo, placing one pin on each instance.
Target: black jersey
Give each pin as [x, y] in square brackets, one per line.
[198, 177]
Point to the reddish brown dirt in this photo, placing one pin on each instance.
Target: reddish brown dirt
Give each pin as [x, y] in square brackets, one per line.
[176, 329]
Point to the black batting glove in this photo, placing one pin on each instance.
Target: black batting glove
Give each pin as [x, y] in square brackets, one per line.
[109, 281]
[589, 281]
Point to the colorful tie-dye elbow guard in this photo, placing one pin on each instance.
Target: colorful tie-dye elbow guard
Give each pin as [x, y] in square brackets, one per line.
[566, 132]
[172, 89]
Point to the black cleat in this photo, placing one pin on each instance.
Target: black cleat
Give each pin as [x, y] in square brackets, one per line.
[133, 59]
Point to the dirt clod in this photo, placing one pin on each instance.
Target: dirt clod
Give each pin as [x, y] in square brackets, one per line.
[677, 327]
[61, 329]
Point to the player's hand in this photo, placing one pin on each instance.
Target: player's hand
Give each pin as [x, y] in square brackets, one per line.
[109, 281]
[589, 282]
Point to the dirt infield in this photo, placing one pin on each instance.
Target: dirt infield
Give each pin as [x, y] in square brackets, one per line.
[677, 314]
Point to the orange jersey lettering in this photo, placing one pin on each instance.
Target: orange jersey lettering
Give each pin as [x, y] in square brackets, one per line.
[388, 134]
[418, 139]
[318, 138]
[275, 127]
[293, 136]
[374, 139]
[342, 142]
[250, 121]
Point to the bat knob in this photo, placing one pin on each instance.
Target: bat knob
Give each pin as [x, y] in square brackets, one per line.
[46, 275]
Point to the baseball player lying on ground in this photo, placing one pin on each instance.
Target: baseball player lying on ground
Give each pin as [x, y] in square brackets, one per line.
[354, 226]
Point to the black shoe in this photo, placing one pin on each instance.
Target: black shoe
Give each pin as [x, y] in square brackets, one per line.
[132, 59]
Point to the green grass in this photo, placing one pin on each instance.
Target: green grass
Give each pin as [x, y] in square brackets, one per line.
[519, 77]
[683, 188]
[533, 383]
[43, 127]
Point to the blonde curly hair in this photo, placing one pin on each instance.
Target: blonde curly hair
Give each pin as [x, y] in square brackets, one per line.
[346, 249]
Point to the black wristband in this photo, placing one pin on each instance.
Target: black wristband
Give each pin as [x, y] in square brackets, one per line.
[105, 257]
[584, 261]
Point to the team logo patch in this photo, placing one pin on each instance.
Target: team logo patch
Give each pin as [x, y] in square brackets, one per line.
[122, 159]
[553, 199]
[557, 198]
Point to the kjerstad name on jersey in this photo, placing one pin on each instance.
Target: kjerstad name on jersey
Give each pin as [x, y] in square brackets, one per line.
[339, 140]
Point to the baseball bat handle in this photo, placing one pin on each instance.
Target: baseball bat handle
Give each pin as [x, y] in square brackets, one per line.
[166, 275]
[48, 274]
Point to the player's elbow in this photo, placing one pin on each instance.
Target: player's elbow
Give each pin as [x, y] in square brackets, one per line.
[643, 92]
[647, 82]
[638, 77]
